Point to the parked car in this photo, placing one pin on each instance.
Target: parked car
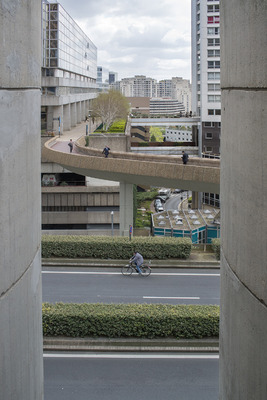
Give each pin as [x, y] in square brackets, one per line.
[157, 202]
[161, 198]
[178, 191]
[159, 208]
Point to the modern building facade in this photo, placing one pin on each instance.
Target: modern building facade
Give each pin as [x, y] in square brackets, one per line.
[165, 106]
[69, 70]
[178, 135]
[206, 92]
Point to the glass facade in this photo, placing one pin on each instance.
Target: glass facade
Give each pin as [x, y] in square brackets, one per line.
[65, 45]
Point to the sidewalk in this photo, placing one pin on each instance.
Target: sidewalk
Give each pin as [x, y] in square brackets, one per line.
[197, 259]
[130, 345]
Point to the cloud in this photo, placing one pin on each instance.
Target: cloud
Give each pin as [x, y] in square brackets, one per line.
[141, 37]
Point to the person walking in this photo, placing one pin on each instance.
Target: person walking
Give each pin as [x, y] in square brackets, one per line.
[185, 157]
[106, 151]
[137, 258]
[70, 144]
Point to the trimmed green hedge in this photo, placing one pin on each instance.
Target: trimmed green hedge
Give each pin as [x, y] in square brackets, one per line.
[105, 247]
[130, 320]
[216, 246]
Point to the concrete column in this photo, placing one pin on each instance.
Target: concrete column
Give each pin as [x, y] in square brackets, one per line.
[79, 112]
[58, 112]
[73, 114]
[21, 354]
[243, 339]
[66, 118]
[83, 110]
[195, 200]
[126, 207]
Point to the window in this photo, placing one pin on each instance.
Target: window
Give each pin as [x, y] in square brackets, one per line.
[212, 87]
[213, 31]
[213, 53]
[213, 42]
[208, 135]
[213, 64]
[213, 76]
[214, 98]
[215, 19]
[214, 112]
[208, 149]
[209, 124]
[213, 8]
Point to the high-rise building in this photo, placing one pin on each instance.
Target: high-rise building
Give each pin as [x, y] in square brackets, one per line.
[69, 70]
[102, 79]
[177, 89]
[206, 92]
[138, 86]
[113, 77]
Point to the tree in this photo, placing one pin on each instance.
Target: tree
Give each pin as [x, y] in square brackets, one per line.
[110, 107]
[156, 133]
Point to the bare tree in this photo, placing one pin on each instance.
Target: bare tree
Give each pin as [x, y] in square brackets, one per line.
[110, 107]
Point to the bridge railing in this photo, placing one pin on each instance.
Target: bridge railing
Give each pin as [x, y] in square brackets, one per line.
[195, 161]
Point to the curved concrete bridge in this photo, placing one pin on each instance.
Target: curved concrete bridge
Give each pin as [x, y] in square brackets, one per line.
[199, 175]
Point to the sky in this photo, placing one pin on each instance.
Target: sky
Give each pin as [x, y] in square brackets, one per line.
[137, 37]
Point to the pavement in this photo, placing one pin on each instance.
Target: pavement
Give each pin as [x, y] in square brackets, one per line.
[197, 259]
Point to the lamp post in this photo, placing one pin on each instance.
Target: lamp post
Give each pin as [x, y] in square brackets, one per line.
[112, 213]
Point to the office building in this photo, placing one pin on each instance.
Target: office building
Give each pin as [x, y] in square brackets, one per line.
[206, 92]
[69, 70]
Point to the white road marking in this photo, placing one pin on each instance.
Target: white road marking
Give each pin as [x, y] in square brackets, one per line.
[131, 356]
[171, 298]
[119, 273]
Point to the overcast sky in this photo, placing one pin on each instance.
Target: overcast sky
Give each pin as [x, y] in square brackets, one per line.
[138, 37]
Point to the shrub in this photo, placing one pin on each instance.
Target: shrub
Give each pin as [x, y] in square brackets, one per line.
[106, 247]
[216, 247]
[86, 140]
[130, 320]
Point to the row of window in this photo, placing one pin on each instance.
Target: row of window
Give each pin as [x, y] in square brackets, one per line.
[215, 19]
[213, 31]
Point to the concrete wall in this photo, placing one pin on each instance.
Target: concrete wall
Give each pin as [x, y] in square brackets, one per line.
[243, 339]
[21, 364]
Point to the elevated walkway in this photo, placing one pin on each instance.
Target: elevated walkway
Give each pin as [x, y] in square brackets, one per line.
[199, 175]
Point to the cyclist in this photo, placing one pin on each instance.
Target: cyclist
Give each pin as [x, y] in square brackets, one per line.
[137, 258]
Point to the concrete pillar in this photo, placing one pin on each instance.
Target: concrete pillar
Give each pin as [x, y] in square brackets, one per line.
[79, 112]
[243, 339]
[195, 200]
[73, 114]
[58, 112]
[126, 207]
[66, 118]
[21, 354]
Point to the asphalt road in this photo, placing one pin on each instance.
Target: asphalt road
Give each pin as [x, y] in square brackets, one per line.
[172, 286]
[131, 376]
[173, 202]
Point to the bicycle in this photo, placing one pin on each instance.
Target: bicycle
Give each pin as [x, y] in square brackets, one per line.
[128, 269]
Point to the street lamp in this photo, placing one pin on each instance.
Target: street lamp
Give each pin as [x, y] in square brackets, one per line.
[112, 213]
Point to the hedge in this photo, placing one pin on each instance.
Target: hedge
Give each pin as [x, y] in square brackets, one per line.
[130, 320]
[105, 247]
[216, 246]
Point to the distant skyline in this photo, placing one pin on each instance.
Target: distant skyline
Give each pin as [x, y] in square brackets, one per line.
[141, 37]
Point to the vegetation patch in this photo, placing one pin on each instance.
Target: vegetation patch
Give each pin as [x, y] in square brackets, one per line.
[131, 320]
[216, 247]
[105, 247]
